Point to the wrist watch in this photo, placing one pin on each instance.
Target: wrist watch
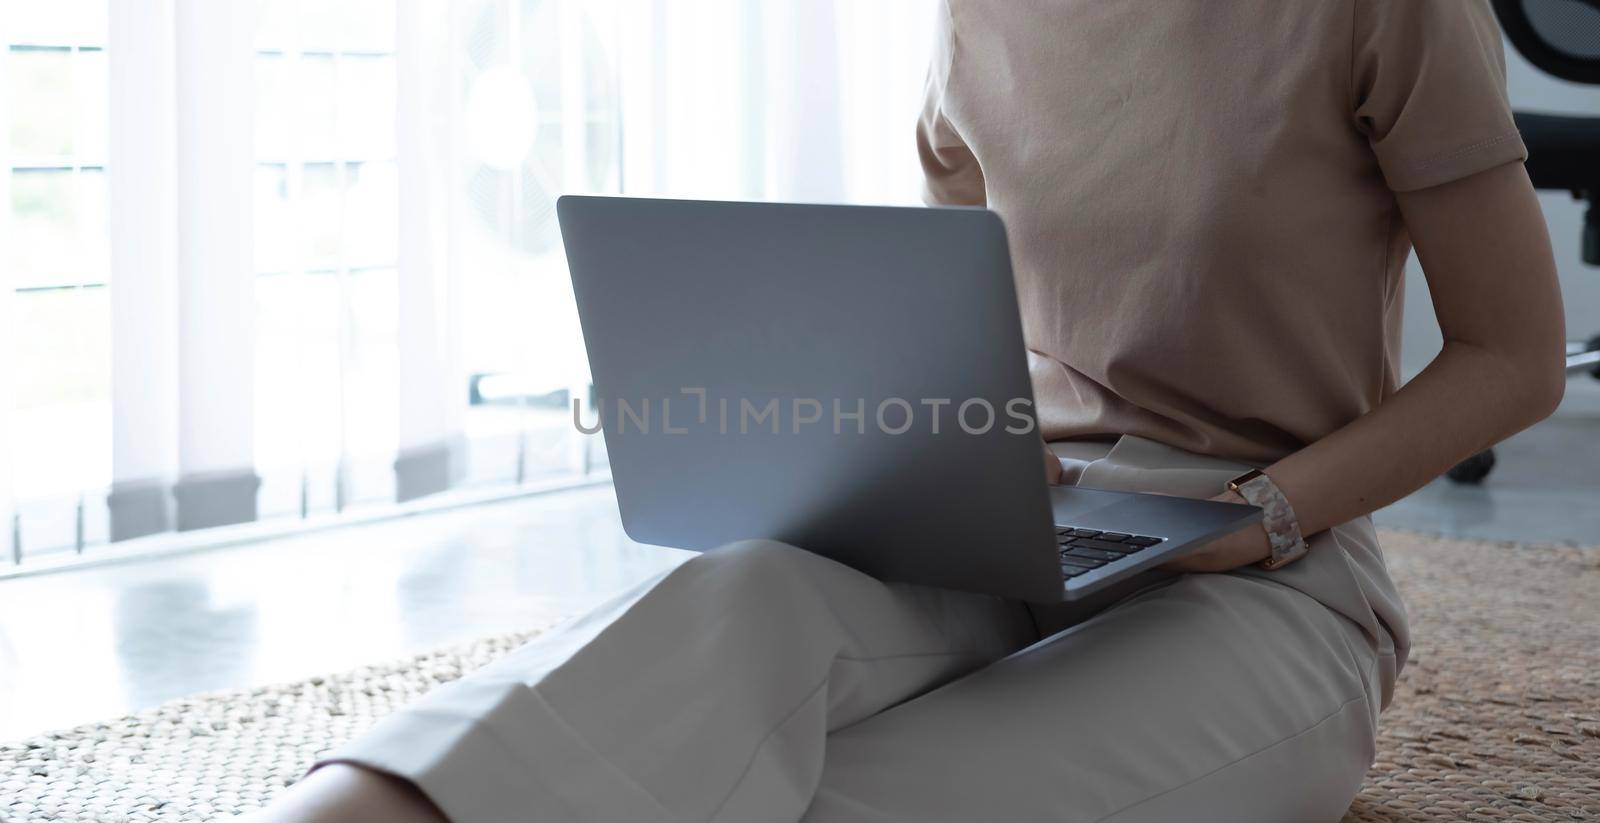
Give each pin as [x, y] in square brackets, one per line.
[1277, 517]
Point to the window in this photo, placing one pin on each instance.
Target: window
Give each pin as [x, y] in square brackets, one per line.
[325, 254]
[534, 114]
[281, 346]
[540, 117]
[58, 266]
[522, 105]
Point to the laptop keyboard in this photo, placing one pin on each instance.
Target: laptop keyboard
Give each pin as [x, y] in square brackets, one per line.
[1084, 550]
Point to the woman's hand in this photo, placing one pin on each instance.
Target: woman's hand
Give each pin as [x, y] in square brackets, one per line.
[1229, 552]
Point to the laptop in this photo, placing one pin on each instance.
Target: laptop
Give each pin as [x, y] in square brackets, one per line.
[850, 380]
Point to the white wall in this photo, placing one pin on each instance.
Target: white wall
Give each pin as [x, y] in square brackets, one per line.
[1531, 90]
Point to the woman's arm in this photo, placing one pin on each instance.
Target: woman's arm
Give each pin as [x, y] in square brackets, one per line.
[1486, 254]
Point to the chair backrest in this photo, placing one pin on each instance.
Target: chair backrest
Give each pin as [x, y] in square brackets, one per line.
[1560, 37]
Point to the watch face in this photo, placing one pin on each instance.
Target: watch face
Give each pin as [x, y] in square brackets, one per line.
[1242, 479]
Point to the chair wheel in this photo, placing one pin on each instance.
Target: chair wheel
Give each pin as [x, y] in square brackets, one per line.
[1474, 469]
[1594, 345]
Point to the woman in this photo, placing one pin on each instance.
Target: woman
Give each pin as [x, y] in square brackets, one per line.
[1210, 205]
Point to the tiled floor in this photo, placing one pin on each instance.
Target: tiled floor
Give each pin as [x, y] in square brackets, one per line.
[83, 645]
[1545, 488]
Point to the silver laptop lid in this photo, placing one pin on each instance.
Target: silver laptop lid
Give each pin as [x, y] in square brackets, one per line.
[775, 370]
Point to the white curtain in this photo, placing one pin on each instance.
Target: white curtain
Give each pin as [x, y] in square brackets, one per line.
[182, 280]
[805, 100]
[428, 457]
[499, 106]
[809, 100]
[8, 549]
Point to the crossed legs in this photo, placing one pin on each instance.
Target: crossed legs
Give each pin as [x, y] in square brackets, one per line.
[764, 683]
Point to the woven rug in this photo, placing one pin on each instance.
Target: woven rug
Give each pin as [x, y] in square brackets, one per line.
[214, 755]
[1496, 718]
[1497, 715]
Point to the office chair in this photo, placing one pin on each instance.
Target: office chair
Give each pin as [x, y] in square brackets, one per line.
[1560, 38]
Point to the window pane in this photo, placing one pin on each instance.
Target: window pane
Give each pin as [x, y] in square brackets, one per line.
[366, 25]
[93, 242]
[94, 102]
[277, 104]
[44, 208]
[539, 232]
[600, 94]
[59, 227]
[313, 114]
[548, 160]
[275, 24]
[370, 215]
[319, 22]
[66, 331]
[541, 52]
[320, 206]
[297, 372]
[315, 388]
[275, 227]
[604, 137]
[62, 390]
[41, 89]
[366, 107]
[372, 379]
[56, 22]
[280, 387]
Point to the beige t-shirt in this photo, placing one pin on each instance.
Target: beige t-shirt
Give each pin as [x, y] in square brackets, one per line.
[1199, 196]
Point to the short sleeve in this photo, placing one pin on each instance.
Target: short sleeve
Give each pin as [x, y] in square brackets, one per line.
[1429, 85]
[951, 174]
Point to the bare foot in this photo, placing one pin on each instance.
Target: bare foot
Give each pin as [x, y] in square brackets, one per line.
[342, 792]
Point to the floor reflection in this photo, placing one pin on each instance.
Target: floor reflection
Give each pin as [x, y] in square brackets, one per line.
[171, 640]
[88, 645]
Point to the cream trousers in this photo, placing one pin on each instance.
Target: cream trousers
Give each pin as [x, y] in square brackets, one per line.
[759, 682]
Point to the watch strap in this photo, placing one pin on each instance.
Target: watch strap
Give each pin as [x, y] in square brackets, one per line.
[1277, 517]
